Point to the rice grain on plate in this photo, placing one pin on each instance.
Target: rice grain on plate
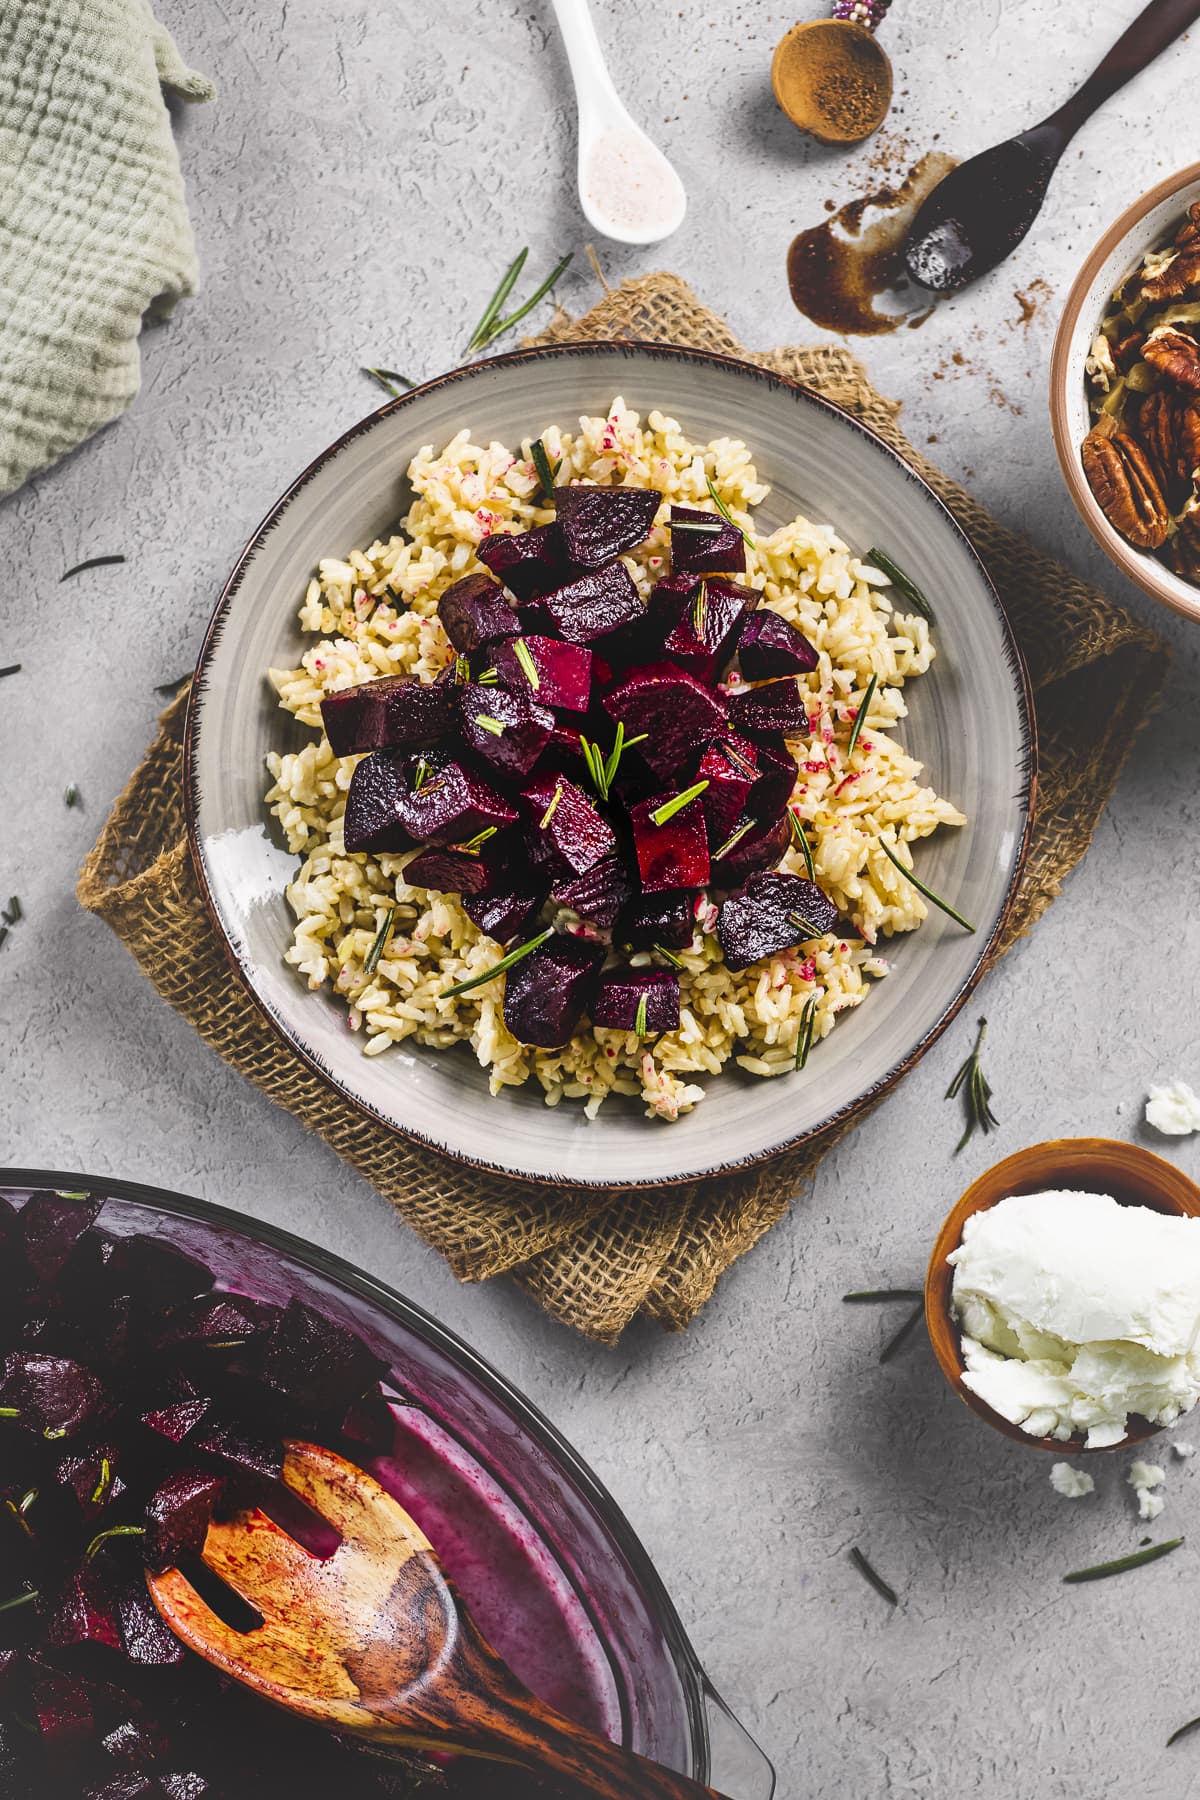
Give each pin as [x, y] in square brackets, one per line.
[374, 613]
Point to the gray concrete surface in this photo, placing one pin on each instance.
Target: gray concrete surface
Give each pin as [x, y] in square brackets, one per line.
[366, 173]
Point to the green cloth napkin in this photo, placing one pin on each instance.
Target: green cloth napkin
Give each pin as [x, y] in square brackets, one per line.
[94, 231]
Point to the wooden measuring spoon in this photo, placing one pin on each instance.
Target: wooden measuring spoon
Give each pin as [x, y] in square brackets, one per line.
[373, 1641]
[984, 207]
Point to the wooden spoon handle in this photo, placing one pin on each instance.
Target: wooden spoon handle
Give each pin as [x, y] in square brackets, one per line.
[1156, 27]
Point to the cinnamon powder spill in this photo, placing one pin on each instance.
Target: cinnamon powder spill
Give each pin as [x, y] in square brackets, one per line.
[840, 268]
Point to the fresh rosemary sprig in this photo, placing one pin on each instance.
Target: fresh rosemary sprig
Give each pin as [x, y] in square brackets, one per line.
[935, 899]
[93, 562]
[804, 1036]
[102, 1486]
[879, 1296]
[902, 583]
[639, 1018]
[486, 722]
[724, 510]
[474, 845]
[12, 912]
[976, 1093]
[373, 955]
[10, 669]
[670, 957]
[734, 838]
[860, 717]
[551, 809]
[18, 1600]
[677, 802]
[706, 527]
[546, 470]
[800, 840]
[18, 1509]
[895, 1344]
[387, 378]
[492, 326]
[524, 656]
[873, 1576]
[114, 1531]
[804, 925]
[1098, 1571]
[498, 968]
[601, 768]
[507, 282]
[700, 611]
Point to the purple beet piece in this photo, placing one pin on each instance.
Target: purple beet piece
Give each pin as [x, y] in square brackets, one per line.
[233, 1442]
[769, 646]
[564, 671]
[503, 916]
[451, 871]
[178, 1419]
[674, 854]
[51, 1394]
[593, 604]
[476, 611]
[145, 1638]
[678, 714]
[529, 563]
[761, 848]
[772, 912]
[776, 781]
[567, 819]
[547, 993]
[775, 706]
[598, 523]
[599, 894]
[316, 1362]
[135, 1741]
[207, 1320]
[184, 1784]
[730, 768]
[706, 552]
[372, 820]
[63, 1710]
[525, 726]
[157, 1273]
[85, 1612]
[91, 1477]
[622, 992]
[178, 1515]
[51, 1226]
[668, 918]
[396, 709]
[704, 635]
[452, 805]
[132, 1784]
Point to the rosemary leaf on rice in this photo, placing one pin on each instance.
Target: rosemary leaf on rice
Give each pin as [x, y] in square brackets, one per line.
[371, 962]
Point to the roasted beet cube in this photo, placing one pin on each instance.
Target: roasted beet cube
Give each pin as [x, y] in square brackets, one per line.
[178, 1515]
[503, 916]
[642, 1000]
[769, 646]
[672, 854]
[730, 768]
[476, 611]
[704, 635]
[184, 1784]
[239, 1445]
[547, 992]
[451, 805]
[776, 781]
[772, 912]
[91, 1477]
[598, 895]
[706, 551]
[668, 919]
[315, 1362]
[63, 1710]
[371, 819]
[85, 1612]
[529, 563]
[762, 847]
[51, 1394]
[130, 1785]
[51, 1226]
[775, 706]
[509, 730]
[396, 709]
[569, 822]
[157, 1273]
[145, 1638]
[178, 1418]
[593, 604]
[562, 673]
[135, 1742]
[598, 523]
[450, 871]
[677, 713]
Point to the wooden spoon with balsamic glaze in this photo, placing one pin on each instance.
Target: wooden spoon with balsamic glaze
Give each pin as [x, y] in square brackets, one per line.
[985, 206]
[374, 1642]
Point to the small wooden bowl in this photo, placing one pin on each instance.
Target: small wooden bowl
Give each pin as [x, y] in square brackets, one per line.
[1133, 1176]
[802, 69]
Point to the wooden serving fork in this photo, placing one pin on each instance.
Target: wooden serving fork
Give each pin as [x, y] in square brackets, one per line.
[373, 1641]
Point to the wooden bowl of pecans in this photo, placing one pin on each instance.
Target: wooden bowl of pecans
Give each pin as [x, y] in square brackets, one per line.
[1125, 392]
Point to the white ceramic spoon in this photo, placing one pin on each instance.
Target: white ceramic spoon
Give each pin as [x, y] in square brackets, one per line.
[627, 188]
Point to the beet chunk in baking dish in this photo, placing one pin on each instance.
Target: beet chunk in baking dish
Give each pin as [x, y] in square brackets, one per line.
[547, 993]
[772, 912]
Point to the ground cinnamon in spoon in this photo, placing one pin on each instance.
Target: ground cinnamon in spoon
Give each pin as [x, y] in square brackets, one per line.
[832, 79]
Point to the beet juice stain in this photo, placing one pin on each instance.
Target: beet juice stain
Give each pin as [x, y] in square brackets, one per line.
[838, 270]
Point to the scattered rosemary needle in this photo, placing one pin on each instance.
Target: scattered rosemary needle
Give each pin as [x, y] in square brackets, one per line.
[700, 611]
[804, 1035]
[1182, 1731]
[387, 379]
[804, 925]
[546, 470]
[486, 722]
[1099, 1571]
[976, 1093]
[102, 1486]
[902, 583]
[876, 1296]
[93, 562]
[498, 968]
[860, 717]
[677, 802]
[19, 1600]
[492, 326]
[706, 527]
[724, 510]
[669, 956]
[800, 840]
[935, 899]
[507, 282]
[10, 669]
[70, 795]
[735, 837]
[639, 1018]
[551, 809]
[896, 1343]
[524, 656]
[12, 912]
[873, 1576]
[114, 1531]
[371, 963]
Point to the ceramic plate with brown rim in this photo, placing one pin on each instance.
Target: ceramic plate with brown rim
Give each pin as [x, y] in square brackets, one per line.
[970, 724]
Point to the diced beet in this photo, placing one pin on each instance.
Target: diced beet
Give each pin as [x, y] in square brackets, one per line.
[730, 769]
[52, 1395]
[668, 918]
[564, 671]
[476, 611]
[178, 1419]
[761, 848]
[547, 992]
[206, 1320]
[317, 1363]
[593, 604]
[157, 1273]
[91, 1477]
[703, 636]
[776, 781]
[178, 1515]
[706, 552]
[145, 1638]
[64, 1714]
[529, 563]
[509, 730]
[134, 1741]
[772, 912]
[451, 806]
[503, 916]
[51, 1226]
[775, 706]
[131, 1785]
[675, 853]
[371, 820]
[678, 714]
[567, 819]
[233, 1442]
[184, 1784]
[599, 894]
[370, 1424]
[622, 993]
[769, 646]
[598, 523]
[396, 709]
[85, 1612]
[451, 871]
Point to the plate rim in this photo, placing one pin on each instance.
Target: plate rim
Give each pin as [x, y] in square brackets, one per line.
[191, 789]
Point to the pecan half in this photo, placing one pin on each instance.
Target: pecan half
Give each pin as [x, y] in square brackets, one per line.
[1128, 350]
[1174, 278]
[1176, 354]
[1189, 231]
[1168, 425]
[1122, 478]
[1185, 545]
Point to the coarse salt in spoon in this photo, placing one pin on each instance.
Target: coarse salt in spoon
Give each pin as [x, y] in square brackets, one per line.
[627, 188]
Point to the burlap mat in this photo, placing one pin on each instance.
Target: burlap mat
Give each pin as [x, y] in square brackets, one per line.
[595, 1259]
